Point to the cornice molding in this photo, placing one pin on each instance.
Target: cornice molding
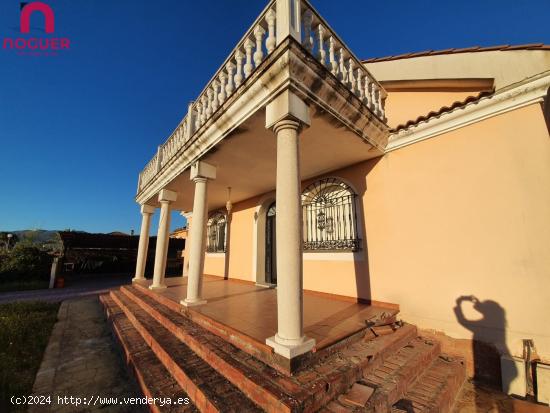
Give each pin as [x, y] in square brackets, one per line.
[513, 97]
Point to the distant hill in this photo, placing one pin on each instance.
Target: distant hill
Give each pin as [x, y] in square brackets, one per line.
[39, 236]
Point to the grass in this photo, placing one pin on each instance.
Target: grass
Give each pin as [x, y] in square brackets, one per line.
[25, 328]
[19, 285]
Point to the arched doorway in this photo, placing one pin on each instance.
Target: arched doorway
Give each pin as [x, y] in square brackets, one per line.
[270, 246]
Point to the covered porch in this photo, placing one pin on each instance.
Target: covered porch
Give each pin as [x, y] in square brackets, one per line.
[246, 314]
[299, 106]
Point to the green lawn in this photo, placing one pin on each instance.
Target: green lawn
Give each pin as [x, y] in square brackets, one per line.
[24, 332]
[18, 285]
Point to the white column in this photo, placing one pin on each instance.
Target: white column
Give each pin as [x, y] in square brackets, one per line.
[147, 212]
[286, 115]
[200, 173]
[166, 197]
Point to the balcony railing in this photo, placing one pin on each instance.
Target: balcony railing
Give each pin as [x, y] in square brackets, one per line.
[259, 42]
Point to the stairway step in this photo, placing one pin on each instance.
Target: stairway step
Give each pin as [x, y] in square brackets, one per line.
[398, 372]
[309, 389]
[153, 378]
[261, 383]
[209, 390]
[436, 389]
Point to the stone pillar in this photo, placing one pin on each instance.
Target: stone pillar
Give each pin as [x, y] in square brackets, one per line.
[146, 212]
[166, 197]
[201, 172]
[286, 115]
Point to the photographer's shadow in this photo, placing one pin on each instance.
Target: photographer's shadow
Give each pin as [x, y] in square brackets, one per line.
[490, 328]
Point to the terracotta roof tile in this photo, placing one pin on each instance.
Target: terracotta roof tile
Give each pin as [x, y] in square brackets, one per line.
[443, 109]
[504, 47]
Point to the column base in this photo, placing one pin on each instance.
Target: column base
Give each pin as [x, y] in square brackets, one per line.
[290, 348]
[157, 287]
[193, 303]
[137, 279]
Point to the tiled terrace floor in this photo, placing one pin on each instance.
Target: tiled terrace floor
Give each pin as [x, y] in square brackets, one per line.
[252, 310]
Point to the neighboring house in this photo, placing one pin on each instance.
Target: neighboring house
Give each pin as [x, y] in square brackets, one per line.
[419, 181]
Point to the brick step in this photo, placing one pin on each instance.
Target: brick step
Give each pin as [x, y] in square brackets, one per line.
[307, 390]
[259, 350]
[152, 377]
[436, 389]
[264, 385]
[398, 372]
[209, 390]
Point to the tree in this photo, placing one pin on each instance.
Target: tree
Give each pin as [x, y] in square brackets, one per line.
[25, 261]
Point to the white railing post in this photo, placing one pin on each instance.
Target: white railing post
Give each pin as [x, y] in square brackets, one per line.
[159, 158]
[288, 20]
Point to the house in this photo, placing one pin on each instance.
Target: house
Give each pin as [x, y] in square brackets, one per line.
[416, 184]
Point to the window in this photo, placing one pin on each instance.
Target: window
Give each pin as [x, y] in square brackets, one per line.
[215, 231]
[329, 216]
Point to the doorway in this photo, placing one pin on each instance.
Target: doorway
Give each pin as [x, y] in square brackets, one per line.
[271, 246]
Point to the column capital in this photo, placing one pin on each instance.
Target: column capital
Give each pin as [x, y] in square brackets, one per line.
[288, 123]
[147, 209]
[167, 196]
[202, 170]
[286, 106]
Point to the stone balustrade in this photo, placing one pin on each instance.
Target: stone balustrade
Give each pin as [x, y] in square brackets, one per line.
[259, 41]
[323, 43]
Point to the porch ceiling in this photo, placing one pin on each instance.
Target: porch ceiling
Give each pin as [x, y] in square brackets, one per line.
[246, 159]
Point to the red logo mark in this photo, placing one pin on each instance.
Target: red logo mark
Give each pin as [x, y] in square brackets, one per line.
[36, 45]
[29, 9]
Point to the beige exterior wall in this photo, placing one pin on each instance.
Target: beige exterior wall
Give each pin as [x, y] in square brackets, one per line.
[467, 213]
[464, 213]
[506, 67]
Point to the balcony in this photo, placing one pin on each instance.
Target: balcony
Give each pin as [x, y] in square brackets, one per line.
[289, 47]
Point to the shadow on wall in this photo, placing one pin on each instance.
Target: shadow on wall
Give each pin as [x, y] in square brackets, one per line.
[362, 268]
[486, 357]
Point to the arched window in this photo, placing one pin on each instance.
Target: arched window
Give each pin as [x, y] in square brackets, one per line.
[329, 216]
[215, 232]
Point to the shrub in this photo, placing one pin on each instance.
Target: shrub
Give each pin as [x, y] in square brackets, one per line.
[25, 261]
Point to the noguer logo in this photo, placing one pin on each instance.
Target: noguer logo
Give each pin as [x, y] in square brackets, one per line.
[36, 45]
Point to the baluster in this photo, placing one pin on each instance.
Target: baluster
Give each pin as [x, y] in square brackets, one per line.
[221, 96]
[377, 102]
[259, 53]
[215, 86]
[343, 72]
[208, 111]
[383, 110]
[308, 39]
[271, 40]
[372, 97]
[351, 79]
[239, 75]
[230, 86]
[204, 108]
[321, 53]
[367, 90]
[360, 89]
[248, 44]
[198, 105]
[192, 119]
[183, 132]
[332, 58]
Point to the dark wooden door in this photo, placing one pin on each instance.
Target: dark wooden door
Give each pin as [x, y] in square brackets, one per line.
[270, 246]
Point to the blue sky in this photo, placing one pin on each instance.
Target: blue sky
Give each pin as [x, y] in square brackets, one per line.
[75, 129]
